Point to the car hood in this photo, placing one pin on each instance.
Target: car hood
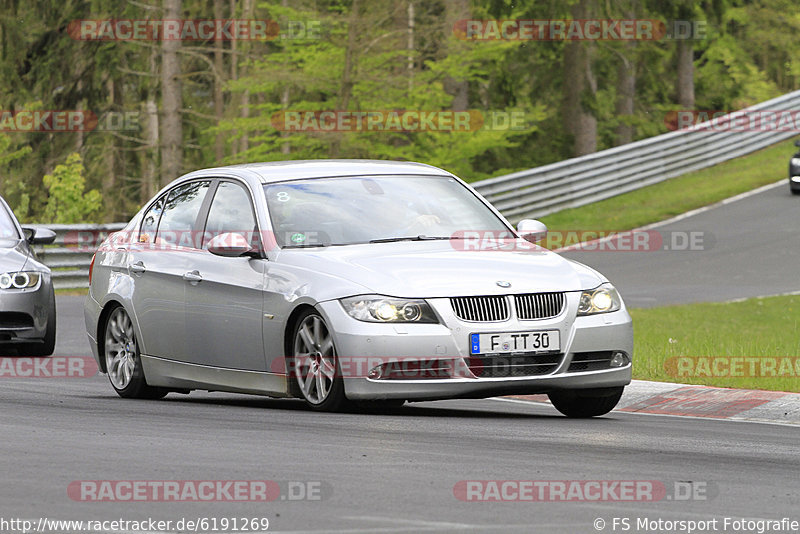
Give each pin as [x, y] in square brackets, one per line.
[13, 255]
[431, 269]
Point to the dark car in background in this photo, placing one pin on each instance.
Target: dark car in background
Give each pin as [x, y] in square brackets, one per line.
[27, 299]
[794, 171]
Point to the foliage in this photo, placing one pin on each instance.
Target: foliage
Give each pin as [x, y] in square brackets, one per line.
[361, 56]
[67, 202]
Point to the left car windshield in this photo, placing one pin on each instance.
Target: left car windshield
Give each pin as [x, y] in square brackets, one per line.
[350, 210]
[8, 229]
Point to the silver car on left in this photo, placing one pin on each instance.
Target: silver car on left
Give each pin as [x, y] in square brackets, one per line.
[27, 299]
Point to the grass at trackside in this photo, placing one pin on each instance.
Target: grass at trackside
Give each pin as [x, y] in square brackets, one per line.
[72, 292]
[678, 195]
[764, 328]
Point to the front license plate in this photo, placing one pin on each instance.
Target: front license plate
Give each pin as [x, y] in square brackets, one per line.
[504, 342]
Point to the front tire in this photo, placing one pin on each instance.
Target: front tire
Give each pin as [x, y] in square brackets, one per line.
[315, 365]
[123, 361]
[582, 403]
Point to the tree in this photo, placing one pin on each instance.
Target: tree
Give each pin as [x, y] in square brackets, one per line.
[171, 101]
[67, 202]
[580, 87]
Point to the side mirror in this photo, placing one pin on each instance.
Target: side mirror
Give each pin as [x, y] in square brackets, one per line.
[531, 230]
[229, 245]
[39, 236]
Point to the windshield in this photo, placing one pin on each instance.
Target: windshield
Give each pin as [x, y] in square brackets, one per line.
[363, 209]
[8, 230]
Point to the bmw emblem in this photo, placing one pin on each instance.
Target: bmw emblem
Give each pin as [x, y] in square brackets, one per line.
[503, 283]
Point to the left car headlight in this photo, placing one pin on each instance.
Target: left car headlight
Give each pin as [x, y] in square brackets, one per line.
[602, 299]
[380, 309]
[18, 280]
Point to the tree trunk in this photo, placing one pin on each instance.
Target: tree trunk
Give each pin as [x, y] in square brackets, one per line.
[244, 142]
[685, 81]
[150, 181]
[171, 100]
[456, 10]
[285, 99]
[219, 103]
[626, 90]
[580, 87]
[346, 88]
[234, 71]
[346, 91]
[410, 47]
[108, 183]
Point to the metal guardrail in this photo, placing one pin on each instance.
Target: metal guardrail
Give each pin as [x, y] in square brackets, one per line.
[530, 193]
[586, 179]
[70, 254]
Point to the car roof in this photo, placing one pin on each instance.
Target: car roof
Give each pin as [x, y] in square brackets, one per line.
[277, 171]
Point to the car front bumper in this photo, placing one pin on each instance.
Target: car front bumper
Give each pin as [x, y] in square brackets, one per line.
[371, 344]
[24, 313]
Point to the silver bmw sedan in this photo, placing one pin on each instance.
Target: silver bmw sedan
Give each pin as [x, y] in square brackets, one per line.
[349, 282]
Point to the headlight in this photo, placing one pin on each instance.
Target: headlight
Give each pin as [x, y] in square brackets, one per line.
[603, 299]
[378, 309]
[794, 162]
[19, 280]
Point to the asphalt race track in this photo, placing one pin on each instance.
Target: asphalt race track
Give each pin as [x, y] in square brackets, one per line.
[742, 249]
[405, 472]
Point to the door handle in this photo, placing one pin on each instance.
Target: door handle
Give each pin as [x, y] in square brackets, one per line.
[137, 267]
[192, 276]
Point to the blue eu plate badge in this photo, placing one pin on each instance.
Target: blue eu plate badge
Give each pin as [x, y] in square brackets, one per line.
[475, 339]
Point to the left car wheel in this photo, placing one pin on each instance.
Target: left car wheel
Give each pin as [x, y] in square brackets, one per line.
[315, 366]
[586, 402]
[123, 362]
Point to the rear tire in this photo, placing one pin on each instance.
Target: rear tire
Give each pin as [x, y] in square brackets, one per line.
[123, 361]
[582, 403]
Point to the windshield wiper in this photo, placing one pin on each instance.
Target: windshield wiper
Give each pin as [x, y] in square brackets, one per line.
[308, 245]
[408, 238]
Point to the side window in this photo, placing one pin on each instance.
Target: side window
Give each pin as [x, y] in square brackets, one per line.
[231, 211]
[180, 213]
[147, 233]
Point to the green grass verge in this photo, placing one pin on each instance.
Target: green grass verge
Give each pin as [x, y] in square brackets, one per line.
[681, 343]
[678, 195]
[73, 292]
